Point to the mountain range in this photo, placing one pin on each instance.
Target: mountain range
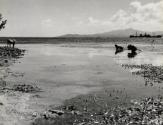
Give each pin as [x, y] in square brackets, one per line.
[115, 33]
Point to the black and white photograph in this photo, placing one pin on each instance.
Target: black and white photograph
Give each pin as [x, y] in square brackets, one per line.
[81, 62]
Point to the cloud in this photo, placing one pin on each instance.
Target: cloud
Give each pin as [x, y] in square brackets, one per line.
[47, 23]
[93, 20]
[148, 12]
[143, 17]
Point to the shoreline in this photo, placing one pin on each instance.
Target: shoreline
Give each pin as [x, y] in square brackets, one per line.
[59, 40]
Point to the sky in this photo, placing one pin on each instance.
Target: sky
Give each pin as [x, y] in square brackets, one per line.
[49, 18]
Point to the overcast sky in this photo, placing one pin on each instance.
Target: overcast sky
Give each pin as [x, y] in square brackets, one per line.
[57, 17]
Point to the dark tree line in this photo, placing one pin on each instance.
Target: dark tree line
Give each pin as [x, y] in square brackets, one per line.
[2, 22]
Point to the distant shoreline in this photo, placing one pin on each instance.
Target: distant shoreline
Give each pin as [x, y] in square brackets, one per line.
[56, 40]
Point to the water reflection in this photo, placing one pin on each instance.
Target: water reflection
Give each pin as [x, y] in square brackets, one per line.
[132, 54]
[118, 51]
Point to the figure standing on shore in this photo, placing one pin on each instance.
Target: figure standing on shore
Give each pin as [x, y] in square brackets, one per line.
[11, 42]
[14, 41]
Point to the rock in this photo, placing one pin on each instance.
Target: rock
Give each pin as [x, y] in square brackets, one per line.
[131, 47]
[12, 52]
[5, 61]
[76, 113]
[2, 83]
[71, 107]
[36, 96]
[26, 88]
[58, 112]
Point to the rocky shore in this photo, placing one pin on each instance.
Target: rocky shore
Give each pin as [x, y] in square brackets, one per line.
[146, 111]
[11, 52]
[8, 53]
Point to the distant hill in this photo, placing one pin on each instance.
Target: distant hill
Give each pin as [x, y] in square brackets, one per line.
[114, 33]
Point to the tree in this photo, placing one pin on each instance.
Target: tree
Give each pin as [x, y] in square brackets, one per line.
[2, 22]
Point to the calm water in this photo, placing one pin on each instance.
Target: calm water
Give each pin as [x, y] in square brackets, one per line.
[65, 71]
